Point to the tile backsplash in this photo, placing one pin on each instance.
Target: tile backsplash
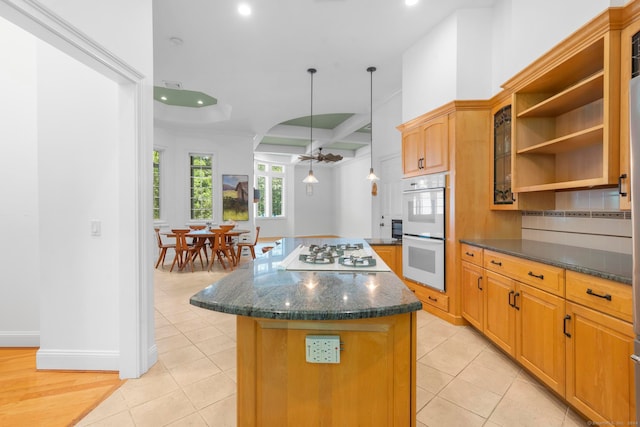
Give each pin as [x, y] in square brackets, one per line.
[589, 219]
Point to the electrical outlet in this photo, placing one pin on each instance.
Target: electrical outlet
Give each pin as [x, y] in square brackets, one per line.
[323, 348]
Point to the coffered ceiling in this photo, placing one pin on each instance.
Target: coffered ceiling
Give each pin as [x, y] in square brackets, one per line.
[255, 67]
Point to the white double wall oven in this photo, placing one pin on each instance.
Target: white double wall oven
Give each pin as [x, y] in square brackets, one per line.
[423, 222]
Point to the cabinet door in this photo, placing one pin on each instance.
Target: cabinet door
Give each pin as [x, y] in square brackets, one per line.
[599, 370]
[472, 284]
[630, 67]
[540, 343]
[388, 255]
[412, 152]
[503, 197]
[499, 314]
[435, 135]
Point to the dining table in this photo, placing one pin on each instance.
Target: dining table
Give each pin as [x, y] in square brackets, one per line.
[221, 243]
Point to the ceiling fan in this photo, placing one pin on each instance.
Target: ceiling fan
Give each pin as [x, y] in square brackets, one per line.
[322, 157]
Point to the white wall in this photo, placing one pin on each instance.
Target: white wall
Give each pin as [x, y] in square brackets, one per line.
[314, 214]
[97, 302]
[19, 221]
[77, 160]
[232, 155]
[353, 198]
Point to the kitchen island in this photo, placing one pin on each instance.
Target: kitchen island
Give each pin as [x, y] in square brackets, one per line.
[371, 314]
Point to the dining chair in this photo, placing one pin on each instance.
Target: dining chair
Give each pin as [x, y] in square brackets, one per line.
[194, 240]
[251, 246]
[162, 248]
[185, 253]
[220, 248]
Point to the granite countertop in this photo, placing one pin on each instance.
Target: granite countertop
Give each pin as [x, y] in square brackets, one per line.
[383, 242]
[261, 288]
[607, 265]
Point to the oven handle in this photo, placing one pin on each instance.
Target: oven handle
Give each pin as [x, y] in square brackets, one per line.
[422, 190]
[418, 237]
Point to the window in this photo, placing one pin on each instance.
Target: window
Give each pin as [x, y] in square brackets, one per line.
[156, 184]
[201, 186]
[270, 182]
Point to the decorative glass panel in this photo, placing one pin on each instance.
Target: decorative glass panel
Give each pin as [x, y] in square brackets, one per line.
[502, 194]
[635, 55]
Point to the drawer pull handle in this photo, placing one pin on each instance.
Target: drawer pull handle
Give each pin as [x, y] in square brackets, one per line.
[469, 254]
[537, 276]
[564, 325]
[498, 263]
[515, 304]
[432, 299]
[510, 303]
[479, 280]
[605, 296]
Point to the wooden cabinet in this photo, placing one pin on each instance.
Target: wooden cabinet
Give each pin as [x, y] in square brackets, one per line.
[499, 315]
[566, 113]
[572, 331]
[278, 387]
[630, 67]
[600, 373]
[472, 287]
[392, 256]
[599, 322]
[540, 343]
[425, 148]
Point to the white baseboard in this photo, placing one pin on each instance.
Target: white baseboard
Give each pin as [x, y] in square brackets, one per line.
[78, 360]
[19, 338]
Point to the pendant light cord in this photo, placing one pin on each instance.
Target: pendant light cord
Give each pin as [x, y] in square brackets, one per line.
[312, 72]
[371, 70]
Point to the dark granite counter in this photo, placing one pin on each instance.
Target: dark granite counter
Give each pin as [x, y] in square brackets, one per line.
[263, 289]
[383, 242]
[607, 265]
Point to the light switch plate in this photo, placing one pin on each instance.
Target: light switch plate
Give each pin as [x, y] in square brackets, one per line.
[323, 348]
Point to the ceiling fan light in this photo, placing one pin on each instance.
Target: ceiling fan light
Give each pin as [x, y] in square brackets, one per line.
[310, 179]
[372, 176]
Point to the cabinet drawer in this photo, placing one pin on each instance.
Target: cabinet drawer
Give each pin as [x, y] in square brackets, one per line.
[472, 254]
[541, 276]
[603, 295]
[429, 296]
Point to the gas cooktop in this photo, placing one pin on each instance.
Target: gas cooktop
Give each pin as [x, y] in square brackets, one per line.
[330, 257]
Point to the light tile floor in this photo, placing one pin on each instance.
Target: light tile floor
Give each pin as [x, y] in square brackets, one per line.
[462, 379]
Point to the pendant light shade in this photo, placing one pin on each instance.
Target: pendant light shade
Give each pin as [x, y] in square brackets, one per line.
[372, 176]
[310, 179]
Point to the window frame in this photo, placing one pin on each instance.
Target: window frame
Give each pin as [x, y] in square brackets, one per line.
[189, 183]
[268, 175]
[159, 186]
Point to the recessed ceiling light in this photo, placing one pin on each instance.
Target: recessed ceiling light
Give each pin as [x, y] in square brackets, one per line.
[411, 2]
[164, 98]
[244, 9]
[200, 102]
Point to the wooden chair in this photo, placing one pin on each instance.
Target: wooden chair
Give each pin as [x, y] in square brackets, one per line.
[202, 247]
[221, 249]
[251, 246]
[162, 248]
[185, 253]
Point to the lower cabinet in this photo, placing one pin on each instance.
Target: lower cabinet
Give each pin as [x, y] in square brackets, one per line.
[472, 281]
[600, 373]
[578, 345]
[389, 254]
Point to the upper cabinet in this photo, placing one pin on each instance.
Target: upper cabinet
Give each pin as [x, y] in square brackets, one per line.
[565, 113]
[630, 67]
[425, 146]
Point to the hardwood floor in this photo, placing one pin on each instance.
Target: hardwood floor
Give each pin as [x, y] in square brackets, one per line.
[47, 398]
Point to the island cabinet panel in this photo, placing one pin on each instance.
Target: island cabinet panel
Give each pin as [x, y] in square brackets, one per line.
[372, 385]
[600, 373]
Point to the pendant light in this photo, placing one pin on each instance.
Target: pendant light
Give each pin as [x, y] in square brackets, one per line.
[372, 176]
[310, 179]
